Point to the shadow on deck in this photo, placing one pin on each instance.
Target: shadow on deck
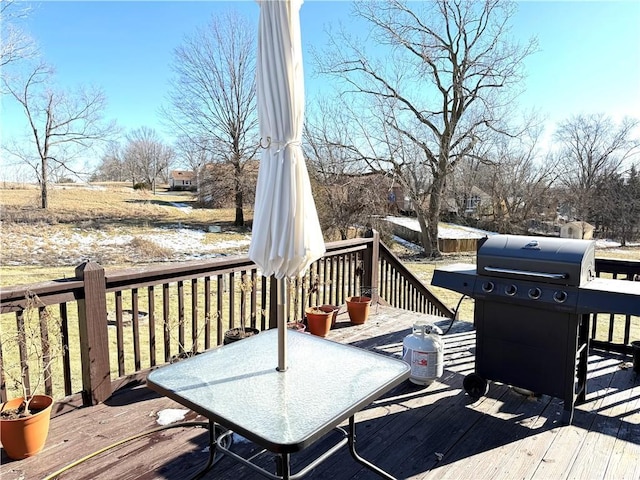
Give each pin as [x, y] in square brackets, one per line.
[413, 432]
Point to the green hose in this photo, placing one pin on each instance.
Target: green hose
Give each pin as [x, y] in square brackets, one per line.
[55, 475]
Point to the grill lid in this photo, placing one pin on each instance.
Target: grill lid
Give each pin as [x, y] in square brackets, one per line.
[561, 261]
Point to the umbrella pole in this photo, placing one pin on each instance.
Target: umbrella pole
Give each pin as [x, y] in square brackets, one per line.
[283, 286]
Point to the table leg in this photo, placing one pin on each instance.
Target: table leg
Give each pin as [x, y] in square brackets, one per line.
[358, 458]
[283, 466]
[212, 451]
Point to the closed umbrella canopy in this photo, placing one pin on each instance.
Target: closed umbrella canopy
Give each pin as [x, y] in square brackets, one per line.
[286, 234]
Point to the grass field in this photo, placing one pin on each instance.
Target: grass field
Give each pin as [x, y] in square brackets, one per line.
[111, 224]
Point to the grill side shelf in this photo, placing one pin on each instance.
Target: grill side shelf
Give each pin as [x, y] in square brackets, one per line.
[459, 277]
[603, 295]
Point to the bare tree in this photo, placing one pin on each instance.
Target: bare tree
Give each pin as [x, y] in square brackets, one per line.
[436, 91]
[16, 44]
[61, 124]
[616, 206]
[111, 166]
[344, 197]
[593, 148]
[193, 154]
[146, 157]
[213, 99]
[521, 191]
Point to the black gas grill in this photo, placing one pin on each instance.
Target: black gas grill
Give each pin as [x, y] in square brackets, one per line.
[533, 300]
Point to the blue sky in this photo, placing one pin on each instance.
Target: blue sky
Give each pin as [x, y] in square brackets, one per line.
[589, 57]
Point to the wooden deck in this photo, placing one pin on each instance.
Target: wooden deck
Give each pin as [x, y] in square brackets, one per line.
[413, 432]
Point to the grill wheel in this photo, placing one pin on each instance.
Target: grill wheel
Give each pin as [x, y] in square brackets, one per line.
[475, 386]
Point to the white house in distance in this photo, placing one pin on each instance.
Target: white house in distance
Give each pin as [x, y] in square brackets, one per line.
[579, 230]
[182, 180]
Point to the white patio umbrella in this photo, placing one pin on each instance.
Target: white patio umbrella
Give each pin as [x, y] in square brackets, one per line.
[286, 234]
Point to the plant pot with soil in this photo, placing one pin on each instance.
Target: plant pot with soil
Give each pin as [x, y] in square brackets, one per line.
[236, 334]
[297, 326]
[243, 331]
[334, 309]
[318, 321]
[358, 309]
[24, 431]
[29, 353]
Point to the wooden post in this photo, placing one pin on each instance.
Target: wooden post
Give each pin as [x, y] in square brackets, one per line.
[371, 258]
[94, 335]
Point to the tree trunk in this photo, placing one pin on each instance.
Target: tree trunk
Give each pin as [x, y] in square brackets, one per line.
[239, 221]
[44, 194]
[433, 216]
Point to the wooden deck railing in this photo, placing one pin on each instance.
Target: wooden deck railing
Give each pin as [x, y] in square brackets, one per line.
[115, 326]
[609, 331]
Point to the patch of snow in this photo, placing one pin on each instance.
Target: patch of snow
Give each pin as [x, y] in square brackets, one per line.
[186, 241]
[406, 244]
[606, 244]
[183, 207]
[445, 230]
[171, 415]
[80, 244]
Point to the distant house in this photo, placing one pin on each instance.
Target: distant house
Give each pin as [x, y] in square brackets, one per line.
[579, 230]
[182, 180]
[458, 203]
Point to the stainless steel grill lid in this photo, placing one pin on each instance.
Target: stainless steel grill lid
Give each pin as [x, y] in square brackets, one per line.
[549, 260]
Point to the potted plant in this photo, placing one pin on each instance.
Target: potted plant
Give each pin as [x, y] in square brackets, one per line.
[358, 309]
[297, 326]
[318, 321]
[334, 309]
[35, 345]
[243, 331]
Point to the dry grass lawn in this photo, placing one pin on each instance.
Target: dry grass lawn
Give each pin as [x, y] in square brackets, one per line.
[109, 223]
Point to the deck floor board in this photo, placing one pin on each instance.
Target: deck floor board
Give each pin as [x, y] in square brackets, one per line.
[414, 432]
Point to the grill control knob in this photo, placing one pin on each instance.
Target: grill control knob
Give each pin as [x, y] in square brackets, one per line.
[511, 290]
[560, 296]
[535, 293]
[487, 287]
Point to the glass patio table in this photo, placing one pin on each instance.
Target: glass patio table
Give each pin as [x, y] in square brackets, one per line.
[238, 387]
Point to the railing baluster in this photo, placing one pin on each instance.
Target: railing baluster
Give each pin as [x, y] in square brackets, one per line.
[119, 333]
[135, 324]
[232, 299]
[195, 333]
[151, 315]
[207, 312]
[181, 334]
[219, 297]
[166, 321]
[45, 346]
[66, 355]
[254, 299]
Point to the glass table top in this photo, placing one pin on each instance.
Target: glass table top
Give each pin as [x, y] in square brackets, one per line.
[238, 385]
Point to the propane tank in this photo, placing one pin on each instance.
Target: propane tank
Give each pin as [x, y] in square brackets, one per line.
[423, 350]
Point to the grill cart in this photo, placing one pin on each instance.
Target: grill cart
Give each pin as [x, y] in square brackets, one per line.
[533, 300]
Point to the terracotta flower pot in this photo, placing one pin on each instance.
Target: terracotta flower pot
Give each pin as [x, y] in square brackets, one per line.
[358, 309]
[318, 321]
[24, 437]
[334, 312]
